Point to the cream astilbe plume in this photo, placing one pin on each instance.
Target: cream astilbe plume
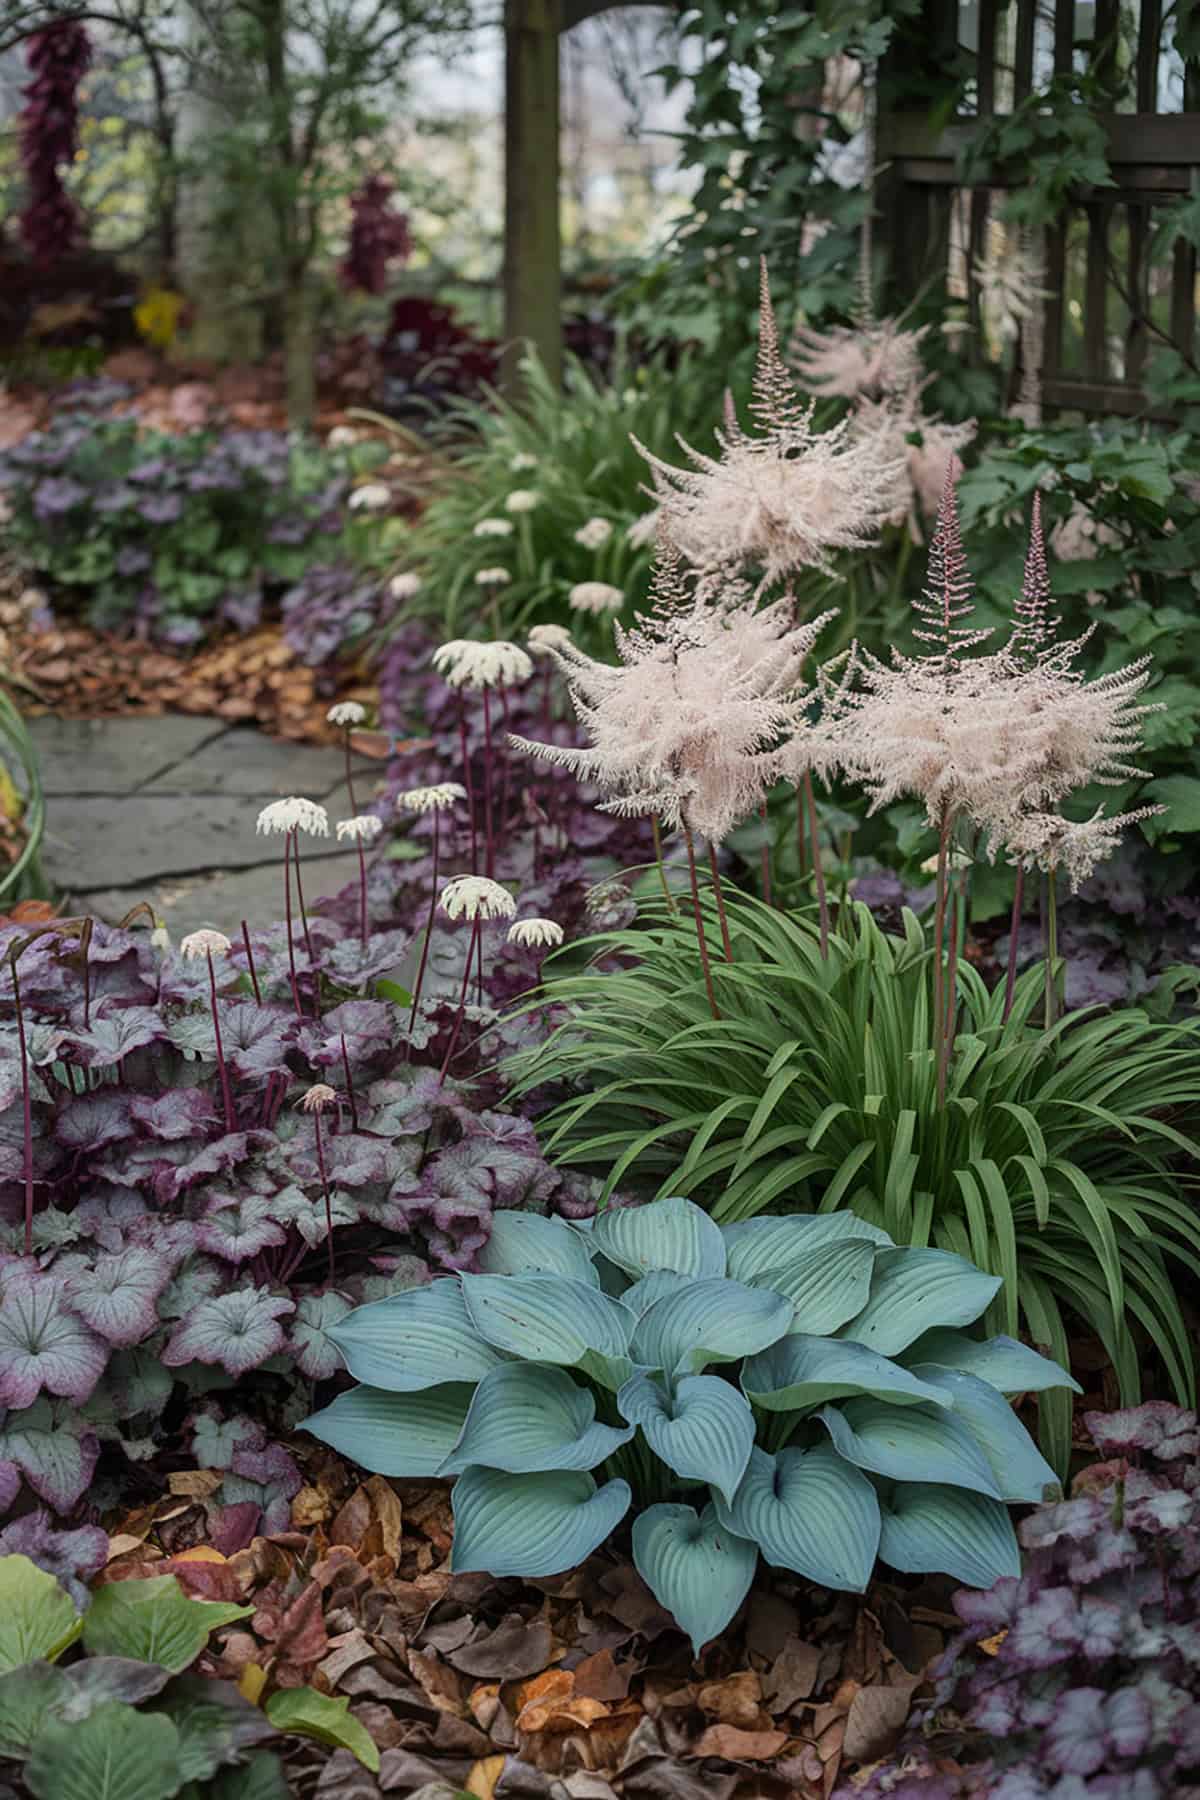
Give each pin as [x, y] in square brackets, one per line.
[850, 360]
[922, 467]
[689, 722]
[1046, 842]
[786, 496]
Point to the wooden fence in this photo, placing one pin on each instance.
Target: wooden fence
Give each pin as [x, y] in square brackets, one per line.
[1108, 301]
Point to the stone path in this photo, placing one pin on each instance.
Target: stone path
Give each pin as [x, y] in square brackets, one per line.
[164, 810]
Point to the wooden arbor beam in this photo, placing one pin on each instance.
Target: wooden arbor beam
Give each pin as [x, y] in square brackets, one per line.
[532, 228]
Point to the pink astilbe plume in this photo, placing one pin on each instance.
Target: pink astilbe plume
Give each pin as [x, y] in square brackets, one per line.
[925, 446]
[782, 496]
[688, 724]
[1034, 626]
[858, 360]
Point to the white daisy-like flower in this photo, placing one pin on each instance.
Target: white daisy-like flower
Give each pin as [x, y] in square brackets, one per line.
[341, 437]
[544, 638]
[346, 712]
[294, 814]
[404, 587]
[475, 897]
[438, 798]
[595, 597]
[595, 534]
[200, 944]
[362, 830]
[493, 528]
[535, 934]
[373, 497]
[524, 459]
[318, 1097]
[643, 531]
[493, 578]
[465, 662]
[522, 500]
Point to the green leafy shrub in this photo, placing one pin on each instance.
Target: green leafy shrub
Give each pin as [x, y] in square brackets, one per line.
[1055, 1163]
[845, 1413]
[22, 879]
[125, 1720]
[571, 449]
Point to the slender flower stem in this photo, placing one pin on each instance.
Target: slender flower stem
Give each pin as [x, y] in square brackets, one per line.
[226, 1092]
[362, 894]
[818, 869]
[349, 774]
[462, 1001]
[349, 1085]
[250, 964]
[433, 894]
[801, 854]
[939, 934]
[287, 914]
[325, 1187]
[766, 858]
[1051, 965]
[488, 827]
[1014, 933]
[308, 944]
[662, 868]
[719, 895]
[26, 1108]
[957, 921]
[467, 782]
[505, 763]
[699, 921]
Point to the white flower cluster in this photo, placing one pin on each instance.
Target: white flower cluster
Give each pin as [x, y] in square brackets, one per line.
[475, 897]
[466, 662]
[294, 814]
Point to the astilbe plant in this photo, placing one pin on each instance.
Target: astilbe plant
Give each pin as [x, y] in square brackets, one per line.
[58, 57]
[804, 1381]
[1081, 1677]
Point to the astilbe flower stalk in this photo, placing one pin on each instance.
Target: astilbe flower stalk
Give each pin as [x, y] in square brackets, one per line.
[58, 58]
[783, 496]
[853, 361]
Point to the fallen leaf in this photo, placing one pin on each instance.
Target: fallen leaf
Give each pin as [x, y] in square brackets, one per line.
[483, 1777]
[252, 1681]
[735, 1701]
[876, 1718]
[738, 1746]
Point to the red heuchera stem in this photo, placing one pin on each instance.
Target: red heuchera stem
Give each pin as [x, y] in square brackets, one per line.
[699, 920]
[58, 59]
[250, 964]
[462, 1001]
[226, 1092]
[433, 894]
[349, 1085]
[312, 960]
[1014, 933]
[362, 895]
[488, 829]
[467, 782]
[324, 1185]
[26, 1109]
[287, 914]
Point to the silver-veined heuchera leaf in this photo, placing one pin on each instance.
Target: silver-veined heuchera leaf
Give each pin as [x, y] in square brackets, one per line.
[238, 1330]
[532, 1525]
[694, 1567]
[116, 1035]
[52, 1449]
[315, 1351]
[673, 1234]
[811, 1511]
[118, 1297]
[700, 1426]
[529, 1417]
[236, 1227]
[43, 1345]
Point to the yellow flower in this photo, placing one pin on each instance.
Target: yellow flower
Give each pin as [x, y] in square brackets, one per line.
[156, 316]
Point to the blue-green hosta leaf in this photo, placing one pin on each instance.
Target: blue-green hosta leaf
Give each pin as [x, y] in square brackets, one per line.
[827, 1287]
[38, 1618]
[1010, 1366]
[701, 1427]
[1019, 1469]
[420, 1338]
[909, 1443]
[810, 1511]
[802, 1371]
[914, 1290]
[708, 1322]
[115, 1754]
[308, 1714]
[696, 1569]
[408, 1436]
[641, 1296]
[154, 1621]
[533, 1525]
[552, 1319]
[754, 1245]
[943, 1530]
[526, 1244]
[527, 1417]
[673, 1234]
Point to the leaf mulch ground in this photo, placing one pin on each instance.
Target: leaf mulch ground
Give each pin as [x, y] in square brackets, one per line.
[505, 1687]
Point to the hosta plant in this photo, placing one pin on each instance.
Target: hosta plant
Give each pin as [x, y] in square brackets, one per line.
[103, 1703]
[1059, 1163]
[791, 1387]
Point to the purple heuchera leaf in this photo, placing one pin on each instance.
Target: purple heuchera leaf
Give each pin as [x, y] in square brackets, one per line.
[314, 1349]
[180, 1112]
[67, 1555]
[43, 1346]
[369, 1027]
[53, 1451]
[89, 1121]
[1156, 1427]
[238, 1331]
[216, 1441]
[1074, 1741]
[118, 1298]
[10, 1484]
[116, 1035]
[217, 1158]
[236, 1227]
[256, 1039]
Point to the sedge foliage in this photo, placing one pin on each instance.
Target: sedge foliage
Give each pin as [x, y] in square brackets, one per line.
[1061, 1161]
[801, 1380]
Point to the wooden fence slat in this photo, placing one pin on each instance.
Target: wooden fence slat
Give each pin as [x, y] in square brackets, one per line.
[1149, 37]
[1095, 305]
[1023, 53]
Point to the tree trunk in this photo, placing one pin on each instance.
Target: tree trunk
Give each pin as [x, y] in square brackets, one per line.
[532, 232]
[299, 351]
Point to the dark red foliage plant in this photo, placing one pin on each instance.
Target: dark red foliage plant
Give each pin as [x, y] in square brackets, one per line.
[378, 236]
[58, 59]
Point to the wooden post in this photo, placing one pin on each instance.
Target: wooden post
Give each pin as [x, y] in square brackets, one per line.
[532, 233]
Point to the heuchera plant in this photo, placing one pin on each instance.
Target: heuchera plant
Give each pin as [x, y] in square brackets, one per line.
[58, 60]
[807, 1384]
[378, 236]
[1081, 1676]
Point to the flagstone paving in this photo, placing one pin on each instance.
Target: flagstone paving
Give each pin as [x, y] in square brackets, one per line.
[164, 810]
